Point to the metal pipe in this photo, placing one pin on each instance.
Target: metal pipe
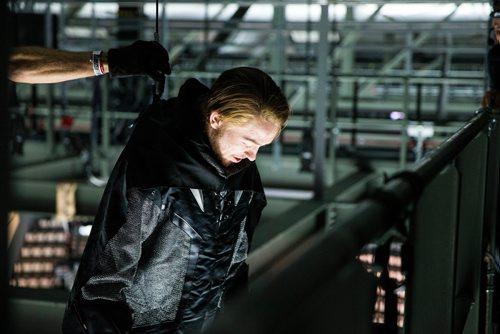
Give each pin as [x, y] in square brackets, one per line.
[404, 126]
[321, 97]
[442, 106]
[434, 161]
[347, 77]
[50, 94]
[62, 45]
[354, 116]
[278, 64]
[332, 115]
[105, 129]
[418, 108]
[334, 132]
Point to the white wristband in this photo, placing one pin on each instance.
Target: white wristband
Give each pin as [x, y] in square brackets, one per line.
[96, 63]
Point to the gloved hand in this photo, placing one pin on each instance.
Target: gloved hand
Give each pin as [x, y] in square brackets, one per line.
[491, 99]
[139, 58]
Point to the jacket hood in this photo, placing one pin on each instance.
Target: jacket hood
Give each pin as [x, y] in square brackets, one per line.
[172, 134]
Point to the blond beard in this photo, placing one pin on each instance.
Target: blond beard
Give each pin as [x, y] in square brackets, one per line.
[213, 136]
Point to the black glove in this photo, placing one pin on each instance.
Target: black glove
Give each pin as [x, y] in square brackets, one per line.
[140, 58]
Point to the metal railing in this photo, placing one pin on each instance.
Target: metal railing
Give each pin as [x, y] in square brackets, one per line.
[443, 210]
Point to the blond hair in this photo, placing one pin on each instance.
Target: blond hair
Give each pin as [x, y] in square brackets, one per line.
[242, 93]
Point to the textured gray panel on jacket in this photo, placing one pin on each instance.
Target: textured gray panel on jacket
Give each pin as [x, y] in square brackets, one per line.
[158, 285]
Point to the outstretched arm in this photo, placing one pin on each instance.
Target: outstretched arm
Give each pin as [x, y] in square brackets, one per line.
[33, 64]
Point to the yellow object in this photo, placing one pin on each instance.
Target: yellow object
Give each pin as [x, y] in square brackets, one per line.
[65, 201]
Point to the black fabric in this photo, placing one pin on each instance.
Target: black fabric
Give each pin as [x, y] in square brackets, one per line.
[493, 60]
[139, 58]
[98, 317]
[171, 217]
[238, 286]
[104, 317]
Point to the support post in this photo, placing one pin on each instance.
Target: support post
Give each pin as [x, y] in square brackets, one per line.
[321, 98]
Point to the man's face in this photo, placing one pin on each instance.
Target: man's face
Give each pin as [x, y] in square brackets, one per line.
[235, 142]
[496, 27]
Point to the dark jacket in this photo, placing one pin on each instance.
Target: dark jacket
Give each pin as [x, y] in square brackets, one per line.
[172, 231]
[493, 63]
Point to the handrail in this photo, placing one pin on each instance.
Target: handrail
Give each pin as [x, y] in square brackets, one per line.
[435, 160]
[277, 298]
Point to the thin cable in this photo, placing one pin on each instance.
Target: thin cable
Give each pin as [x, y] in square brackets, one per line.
[157, 37]
[158, 86]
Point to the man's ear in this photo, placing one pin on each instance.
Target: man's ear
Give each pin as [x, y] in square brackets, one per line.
[215, 119]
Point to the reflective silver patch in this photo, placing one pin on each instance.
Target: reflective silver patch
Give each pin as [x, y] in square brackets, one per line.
[237, 196]
[157, 290]
[198, 196]
[241, 246]
[115, 268]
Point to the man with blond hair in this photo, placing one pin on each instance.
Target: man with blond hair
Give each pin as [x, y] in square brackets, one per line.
[174, 226]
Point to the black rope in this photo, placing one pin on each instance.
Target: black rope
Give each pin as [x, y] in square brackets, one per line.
[158, 86]
[156, 32]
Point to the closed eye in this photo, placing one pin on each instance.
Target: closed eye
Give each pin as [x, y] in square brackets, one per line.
[251, 141]
[250, 144]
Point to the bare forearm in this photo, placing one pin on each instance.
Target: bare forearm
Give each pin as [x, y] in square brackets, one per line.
[41, 65]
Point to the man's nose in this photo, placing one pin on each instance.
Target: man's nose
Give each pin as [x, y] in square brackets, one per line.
[251, 154]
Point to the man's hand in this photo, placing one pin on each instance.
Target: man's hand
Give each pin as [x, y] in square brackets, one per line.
[140, 58]
[491, 99]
